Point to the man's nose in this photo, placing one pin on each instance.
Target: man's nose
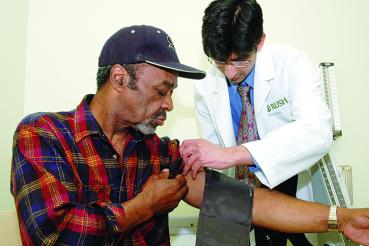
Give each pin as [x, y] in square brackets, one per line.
[168, 103]
[230, 71]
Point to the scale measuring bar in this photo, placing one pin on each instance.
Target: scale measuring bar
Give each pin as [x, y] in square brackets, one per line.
[328, 187]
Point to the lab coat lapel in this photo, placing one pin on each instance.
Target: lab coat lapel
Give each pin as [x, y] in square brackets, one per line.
[264, 72]
[222, 112]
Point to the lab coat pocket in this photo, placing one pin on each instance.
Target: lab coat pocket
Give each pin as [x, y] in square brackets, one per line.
[279, 112]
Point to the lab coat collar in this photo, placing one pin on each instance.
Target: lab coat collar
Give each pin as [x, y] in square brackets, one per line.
[264, 73]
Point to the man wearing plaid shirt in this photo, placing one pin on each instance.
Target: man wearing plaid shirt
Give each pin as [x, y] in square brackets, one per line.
[99, 175]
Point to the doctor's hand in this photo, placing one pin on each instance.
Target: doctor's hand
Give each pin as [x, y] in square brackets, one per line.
[198, 153]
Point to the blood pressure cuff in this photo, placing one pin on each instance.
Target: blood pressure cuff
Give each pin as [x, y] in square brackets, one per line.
[225, 215]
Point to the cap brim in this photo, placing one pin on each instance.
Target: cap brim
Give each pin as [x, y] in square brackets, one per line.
[183, 70]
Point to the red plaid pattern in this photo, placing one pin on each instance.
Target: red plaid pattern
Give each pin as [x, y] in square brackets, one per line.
[69, 183]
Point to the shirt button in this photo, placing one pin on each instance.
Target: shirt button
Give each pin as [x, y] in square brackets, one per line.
[115, 156]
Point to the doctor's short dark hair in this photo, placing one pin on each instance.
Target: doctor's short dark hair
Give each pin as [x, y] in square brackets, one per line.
[103, 74]
[231, 26]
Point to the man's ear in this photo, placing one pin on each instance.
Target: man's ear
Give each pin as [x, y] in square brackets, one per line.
[118, 76]
[261, 42]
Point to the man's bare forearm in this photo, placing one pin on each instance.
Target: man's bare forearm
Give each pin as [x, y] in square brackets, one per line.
[281, 212]
[136, 211]
[272, 209]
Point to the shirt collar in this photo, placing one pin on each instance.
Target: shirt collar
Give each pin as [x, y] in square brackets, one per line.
[85, 123]
[249, 80]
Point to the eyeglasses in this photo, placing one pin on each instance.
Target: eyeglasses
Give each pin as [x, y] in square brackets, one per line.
[236, 63]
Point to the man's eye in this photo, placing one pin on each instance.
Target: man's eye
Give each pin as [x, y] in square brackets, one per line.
[161, 93]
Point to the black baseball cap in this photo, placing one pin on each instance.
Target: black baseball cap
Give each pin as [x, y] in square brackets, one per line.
[136, 44]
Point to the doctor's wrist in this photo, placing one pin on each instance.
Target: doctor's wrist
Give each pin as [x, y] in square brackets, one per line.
[239, 155]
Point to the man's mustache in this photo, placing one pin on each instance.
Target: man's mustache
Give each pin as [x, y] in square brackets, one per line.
[160, 114]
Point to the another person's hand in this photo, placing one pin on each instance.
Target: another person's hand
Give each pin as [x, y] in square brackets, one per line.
[163, 194]
[198, 153]
[354, 224]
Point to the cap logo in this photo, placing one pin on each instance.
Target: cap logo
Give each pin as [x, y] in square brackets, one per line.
[170, 42]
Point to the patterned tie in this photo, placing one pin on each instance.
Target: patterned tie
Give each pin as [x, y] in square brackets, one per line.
[247, 132]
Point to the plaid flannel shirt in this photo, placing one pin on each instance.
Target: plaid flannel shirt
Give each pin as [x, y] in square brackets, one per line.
[69, 183]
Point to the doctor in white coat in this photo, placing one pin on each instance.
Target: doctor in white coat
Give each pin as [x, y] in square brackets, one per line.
[293, 121]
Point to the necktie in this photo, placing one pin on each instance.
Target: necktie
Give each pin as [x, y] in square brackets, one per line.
[247, 132]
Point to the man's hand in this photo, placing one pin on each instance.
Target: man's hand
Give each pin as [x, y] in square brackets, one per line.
[198, 153]
[354, 224]
[162, 194]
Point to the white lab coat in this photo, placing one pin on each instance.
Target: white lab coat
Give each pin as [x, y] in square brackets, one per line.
[293, 120]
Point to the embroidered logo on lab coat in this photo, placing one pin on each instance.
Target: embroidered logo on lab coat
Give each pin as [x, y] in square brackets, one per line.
[277, 104]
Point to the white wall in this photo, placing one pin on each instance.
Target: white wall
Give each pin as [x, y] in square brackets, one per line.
[13, 19]
[65, 37]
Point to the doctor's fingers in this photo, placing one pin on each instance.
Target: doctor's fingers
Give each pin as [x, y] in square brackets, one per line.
[193, 149]
[185, 145]
[192, 144]
[195, 164]
[195, 168]
[186, 154]
[186, 169]
[189, 164]
[189, 142]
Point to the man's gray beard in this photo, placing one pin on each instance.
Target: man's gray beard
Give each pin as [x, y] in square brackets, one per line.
[145, 128]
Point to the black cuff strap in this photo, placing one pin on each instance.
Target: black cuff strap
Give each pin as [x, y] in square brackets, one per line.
[225, 216]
